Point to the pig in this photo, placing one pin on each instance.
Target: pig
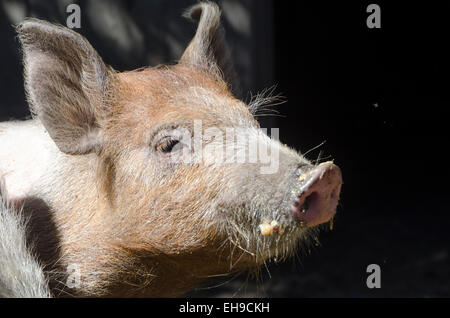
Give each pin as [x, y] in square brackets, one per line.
[112, 193]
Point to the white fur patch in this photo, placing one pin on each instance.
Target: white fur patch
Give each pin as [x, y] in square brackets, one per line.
[26, 153]
[20, 273]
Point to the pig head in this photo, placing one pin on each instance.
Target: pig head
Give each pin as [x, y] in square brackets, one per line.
[141, 197]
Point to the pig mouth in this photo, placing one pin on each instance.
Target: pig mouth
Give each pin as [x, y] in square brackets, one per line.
[317, 196]
[312, 200]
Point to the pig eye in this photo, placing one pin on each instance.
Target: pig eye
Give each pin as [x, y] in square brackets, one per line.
[166, 145]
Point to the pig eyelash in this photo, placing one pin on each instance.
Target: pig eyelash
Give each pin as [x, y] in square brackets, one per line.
[166, 145]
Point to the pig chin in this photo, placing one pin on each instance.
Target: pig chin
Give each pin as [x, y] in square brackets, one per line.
[276, 230]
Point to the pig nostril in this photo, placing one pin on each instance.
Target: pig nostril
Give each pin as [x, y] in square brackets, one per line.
[304, 208]
[334, 194]
[309, 201]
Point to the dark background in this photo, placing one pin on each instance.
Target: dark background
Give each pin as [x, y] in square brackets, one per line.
[378, 97]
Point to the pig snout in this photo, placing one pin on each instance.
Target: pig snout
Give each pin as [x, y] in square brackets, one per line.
[318, 195]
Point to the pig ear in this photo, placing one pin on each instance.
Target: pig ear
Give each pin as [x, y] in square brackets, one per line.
[65, 81]
[208, 47]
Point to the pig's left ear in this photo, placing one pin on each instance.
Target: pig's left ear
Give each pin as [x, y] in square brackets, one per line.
[65, 81]
[208, 48]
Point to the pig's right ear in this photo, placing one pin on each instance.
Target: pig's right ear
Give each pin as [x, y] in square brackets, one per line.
[65, 81]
